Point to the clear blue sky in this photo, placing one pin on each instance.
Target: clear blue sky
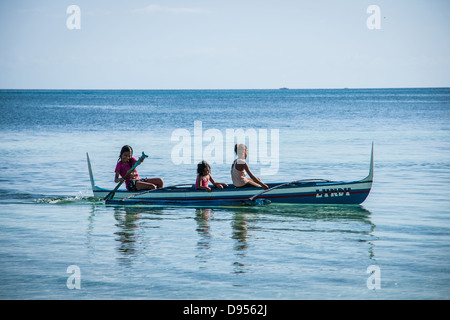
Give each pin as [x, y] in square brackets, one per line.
[225, 44]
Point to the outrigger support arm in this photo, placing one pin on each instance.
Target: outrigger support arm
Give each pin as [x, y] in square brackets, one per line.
[282, 185]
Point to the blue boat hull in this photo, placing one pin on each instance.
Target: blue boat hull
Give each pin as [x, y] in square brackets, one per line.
[297, 193]
[315, 191]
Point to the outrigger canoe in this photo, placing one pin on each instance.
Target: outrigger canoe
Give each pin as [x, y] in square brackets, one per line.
[309, 191]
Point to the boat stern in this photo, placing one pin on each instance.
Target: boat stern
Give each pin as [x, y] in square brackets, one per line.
[91, 176]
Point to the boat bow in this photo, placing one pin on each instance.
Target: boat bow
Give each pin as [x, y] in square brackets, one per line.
[369, 178]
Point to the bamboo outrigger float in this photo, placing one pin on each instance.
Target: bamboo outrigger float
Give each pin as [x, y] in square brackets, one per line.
[310, 191]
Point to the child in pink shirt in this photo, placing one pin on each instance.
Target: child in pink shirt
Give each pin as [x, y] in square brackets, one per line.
[204, 177]
[133, 182]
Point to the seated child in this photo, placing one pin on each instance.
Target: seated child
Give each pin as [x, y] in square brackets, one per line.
[133, 182]
[240, 167]
[204, 176]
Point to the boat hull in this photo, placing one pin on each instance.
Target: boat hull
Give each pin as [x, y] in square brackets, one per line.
[297, 193]
[316, 191]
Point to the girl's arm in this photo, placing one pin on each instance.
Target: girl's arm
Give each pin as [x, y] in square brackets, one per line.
[133, 174]
[255, 179]
[117, 179]
[217, 184]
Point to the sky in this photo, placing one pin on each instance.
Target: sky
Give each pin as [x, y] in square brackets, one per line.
[215, 44]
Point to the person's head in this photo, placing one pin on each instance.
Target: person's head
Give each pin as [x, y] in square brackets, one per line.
[241, 150]
[126, 153]
[203, 168]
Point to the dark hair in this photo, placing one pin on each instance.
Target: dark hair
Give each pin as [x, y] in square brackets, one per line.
[124, 149]
[236, 146]
[201, 167]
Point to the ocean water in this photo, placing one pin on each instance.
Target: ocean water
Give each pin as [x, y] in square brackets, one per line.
[396, 245]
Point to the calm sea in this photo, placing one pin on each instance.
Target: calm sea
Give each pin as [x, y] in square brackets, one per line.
[58, 242]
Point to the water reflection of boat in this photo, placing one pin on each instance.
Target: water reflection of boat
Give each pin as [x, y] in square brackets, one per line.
[240, 232]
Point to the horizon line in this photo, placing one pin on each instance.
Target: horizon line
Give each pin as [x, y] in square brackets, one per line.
[217, 89]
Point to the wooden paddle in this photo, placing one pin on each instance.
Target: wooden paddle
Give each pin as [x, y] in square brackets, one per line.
[110, 195]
